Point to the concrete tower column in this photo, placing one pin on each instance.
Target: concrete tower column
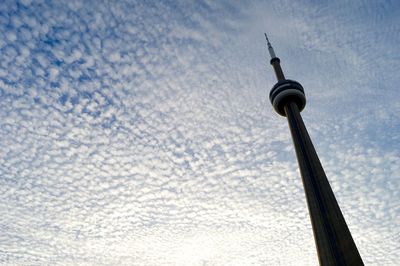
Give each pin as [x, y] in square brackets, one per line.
[335, 245]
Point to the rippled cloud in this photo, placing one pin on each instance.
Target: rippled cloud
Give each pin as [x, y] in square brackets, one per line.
[140, 133]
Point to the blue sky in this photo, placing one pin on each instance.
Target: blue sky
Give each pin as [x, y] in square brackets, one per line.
[140, 133]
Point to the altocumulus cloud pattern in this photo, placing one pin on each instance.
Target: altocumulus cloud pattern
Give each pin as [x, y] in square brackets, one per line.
[140, 132]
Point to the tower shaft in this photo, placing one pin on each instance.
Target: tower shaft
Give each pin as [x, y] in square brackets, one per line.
[275, 62]
[335, 245]
[333, 239]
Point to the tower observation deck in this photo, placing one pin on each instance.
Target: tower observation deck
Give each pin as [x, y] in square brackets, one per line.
[335, 245]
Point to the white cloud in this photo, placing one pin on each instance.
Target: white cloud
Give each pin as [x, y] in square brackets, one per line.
[134, 134]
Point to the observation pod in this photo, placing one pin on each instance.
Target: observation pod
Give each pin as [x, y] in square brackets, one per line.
[286, 91]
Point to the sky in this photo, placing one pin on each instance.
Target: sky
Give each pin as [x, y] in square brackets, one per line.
[141, 133]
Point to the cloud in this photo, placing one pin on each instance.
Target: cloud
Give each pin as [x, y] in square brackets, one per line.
[141, 133]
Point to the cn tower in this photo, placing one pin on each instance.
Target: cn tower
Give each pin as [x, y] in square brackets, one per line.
[335, 245]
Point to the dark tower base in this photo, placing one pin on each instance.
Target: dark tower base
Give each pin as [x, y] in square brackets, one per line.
[334, 242]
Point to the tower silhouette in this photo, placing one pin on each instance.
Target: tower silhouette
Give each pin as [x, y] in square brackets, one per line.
[335, 245]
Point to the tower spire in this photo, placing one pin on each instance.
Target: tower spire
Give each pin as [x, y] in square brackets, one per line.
[270, 48]
[335, 245]
[275, 61]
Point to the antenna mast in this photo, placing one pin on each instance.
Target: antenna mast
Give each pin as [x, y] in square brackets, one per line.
[275, 61]
[270, 48]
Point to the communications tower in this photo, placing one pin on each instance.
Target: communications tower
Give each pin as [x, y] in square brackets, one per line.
[335, 245]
